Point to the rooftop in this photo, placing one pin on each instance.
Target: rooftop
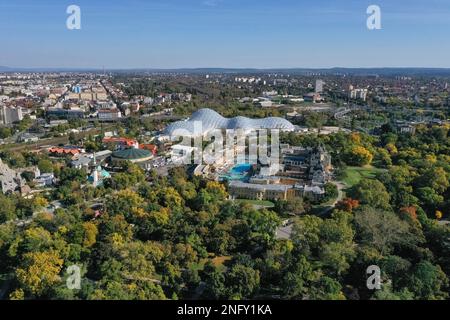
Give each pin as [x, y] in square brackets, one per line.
[262, 187]
[205, 120]
[132, 154]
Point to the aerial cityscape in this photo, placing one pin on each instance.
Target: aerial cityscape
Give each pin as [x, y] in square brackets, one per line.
[139, 178]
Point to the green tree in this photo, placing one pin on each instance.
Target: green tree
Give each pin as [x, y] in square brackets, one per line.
[7, 208]
[293, 206]
[382, 230]
[45, 166]
[428, 281]
[241, 282]
[214, 283]
[435, 178]
[297, 280]
[372, 193]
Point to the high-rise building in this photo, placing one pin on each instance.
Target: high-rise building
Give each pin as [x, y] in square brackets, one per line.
[319, 86]
[360, 94]
[9, 115]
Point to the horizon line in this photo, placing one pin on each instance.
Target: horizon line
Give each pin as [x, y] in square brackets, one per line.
[219, 68]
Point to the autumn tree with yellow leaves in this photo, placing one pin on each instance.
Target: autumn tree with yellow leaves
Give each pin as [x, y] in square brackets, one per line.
[39, 272]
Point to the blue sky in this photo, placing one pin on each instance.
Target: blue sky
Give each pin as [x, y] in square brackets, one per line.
[224, 33]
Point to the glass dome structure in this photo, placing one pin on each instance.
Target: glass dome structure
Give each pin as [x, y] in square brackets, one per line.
[205, 120]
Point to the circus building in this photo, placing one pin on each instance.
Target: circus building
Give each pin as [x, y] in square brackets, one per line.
[133, 155]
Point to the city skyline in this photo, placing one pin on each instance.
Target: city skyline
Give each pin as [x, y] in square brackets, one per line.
[227, 157]
[223, 34]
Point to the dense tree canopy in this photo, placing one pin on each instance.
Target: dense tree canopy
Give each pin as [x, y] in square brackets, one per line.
[180, 237]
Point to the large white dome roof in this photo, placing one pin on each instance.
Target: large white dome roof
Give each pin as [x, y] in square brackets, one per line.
[211, 120]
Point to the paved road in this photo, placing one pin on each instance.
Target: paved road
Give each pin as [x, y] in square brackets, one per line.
[284, 232]
[340, 186]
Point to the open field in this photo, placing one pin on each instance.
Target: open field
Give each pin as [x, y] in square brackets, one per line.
[258, 203]
[353, 175]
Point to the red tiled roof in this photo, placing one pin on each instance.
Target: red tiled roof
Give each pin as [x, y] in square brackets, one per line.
[71, 151]
[128, 142]
[149, 147]
[108, 111]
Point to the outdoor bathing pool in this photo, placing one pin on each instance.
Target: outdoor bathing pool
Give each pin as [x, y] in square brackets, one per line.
[238, 172]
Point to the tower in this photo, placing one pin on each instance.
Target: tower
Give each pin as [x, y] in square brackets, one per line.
[95, 177]
[319, 86]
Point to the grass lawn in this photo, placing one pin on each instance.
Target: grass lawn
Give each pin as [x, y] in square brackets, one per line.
[261, 203]
[353, 175]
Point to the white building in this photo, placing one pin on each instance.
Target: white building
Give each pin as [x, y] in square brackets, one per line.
[109, 114]
[270, 93]
[44, 180]
[27, 137]
[319, 86]
[106, 105]
[266, 103]
[360, 94]
[9, 115]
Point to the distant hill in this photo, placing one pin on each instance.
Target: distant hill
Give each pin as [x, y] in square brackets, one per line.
[4, 69]
[413, 71]
[305, 71]
[20, 69]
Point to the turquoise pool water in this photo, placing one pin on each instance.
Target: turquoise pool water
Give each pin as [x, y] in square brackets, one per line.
[238, 172]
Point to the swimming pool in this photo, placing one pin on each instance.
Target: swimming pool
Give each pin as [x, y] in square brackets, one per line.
[238, 172]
